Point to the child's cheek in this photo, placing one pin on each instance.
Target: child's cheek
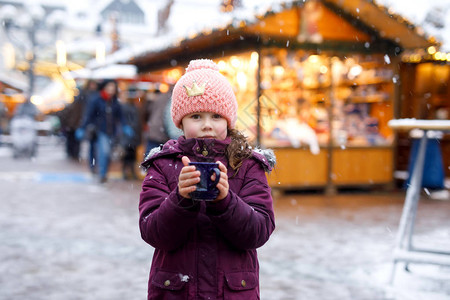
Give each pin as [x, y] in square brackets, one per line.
[222, 134]
[190, 132]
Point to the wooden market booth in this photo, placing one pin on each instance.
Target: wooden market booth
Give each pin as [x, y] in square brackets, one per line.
[425, 94]
[310, 73]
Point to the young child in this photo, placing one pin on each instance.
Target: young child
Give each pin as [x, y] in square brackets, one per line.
[205, 249]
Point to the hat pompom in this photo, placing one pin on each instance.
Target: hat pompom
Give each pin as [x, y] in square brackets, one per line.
[199, 64]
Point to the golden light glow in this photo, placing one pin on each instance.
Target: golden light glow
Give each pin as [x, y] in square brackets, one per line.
[173, 75]
[100, 53]
[416, 57]
[313, 59]
[308, 81]
[278, 71]
[354, 72]
[235, 62]
[254, 60]
[431, 54]
[222, 65]
[9, 56]
[192, 34]
[36, 100]
[61, 53]
[242, 80]
[431, 50]
[164, 88]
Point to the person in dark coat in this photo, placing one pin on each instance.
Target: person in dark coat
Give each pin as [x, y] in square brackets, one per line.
[104, 113]
[205, 249]
[71, 117]
[130, 143]
[156, 133]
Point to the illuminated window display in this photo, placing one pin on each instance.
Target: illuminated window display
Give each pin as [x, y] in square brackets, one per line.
[353, 94]
[303, 93]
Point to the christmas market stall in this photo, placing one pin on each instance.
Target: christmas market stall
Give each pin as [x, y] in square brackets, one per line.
[317, 81]
[425, 94]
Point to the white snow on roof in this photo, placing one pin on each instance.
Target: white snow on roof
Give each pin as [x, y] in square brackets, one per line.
[189, 17]
[184, 21]
[416, 12]
[112, 71]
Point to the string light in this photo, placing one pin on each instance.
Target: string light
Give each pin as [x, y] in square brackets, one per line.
[430, 54]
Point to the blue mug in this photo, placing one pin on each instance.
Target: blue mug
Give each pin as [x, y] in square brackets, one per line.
[206, 188]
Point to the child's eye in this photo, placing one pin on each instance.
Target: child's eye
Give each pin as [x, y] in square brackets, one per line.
[217, 116]
[195, 116]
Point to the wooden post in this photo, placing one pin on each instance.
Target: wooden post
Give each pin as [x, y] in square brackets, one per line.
[258, 96]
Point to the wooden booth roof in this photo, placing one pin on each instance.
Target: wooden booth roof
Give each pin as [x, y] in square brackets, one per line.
[339, 25]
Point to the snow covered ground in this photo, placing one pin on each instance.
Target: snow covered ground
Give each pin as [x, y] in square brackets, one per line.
[341, 248]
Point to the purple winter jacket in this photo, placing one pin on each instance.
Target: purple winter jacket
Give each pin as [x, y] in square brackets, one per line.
[204, 250]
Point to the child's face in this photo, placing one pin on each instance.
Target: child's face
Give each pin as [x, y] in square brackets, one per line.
[204, 125]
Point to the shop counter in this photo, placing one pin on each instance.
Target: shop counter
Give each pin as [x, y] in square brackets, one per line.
[362, 166]
[298, 168]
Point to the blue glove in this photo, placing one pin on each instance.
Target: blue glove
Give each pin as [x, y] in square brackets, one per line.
[128, 131]
[79, 134]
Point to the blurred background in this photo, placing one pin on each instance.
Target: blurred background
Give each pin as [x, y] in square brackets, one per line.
[316, 80]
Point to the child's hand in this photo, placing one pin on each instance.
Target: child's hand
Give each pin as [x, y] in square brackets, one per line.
[188, 178]
[222, 185]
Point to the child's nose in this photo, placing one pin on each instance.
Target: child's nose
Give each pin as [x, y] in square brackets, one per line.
[207, 123]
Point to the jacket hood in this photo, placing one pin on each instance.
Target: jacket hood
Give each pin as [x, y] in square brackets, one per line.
[265, 156]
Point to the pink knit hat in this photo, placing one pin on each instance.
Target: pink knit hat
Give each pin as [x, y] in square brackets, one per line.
[203, 89]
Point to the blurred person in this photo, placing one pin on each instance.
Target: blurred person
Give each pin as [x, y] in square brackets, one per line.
[205, 249]
[130, 143]
[71, 118]
[91, 136]
[104, 113]
[156, 133]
